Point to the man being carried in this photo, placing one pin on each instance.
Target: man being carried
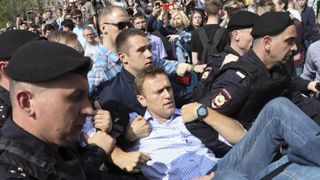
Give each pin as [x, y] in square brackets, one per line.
[176, 154]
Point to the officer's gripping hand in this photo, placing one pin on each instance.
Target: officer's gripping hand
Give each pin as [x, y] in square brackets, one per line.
[140, 128]
[103, 140]
[312, 86]
[199, 68]
[131, 161]
[189, 112]
[102, 120]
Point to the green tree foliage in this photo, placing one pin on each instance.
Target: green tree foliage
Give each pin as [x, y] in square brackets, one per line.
[9, 9]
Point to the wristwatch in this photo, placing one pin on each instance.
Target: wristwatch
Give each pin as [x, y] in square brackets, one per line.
[202, 112]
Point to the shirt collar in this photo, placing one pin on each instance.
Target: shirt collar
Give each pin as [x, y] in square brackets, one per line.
[147, 116]
[111, 55]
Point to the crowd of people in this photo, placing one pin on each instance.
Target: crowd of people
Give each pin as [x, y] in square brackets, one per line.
[196, 89]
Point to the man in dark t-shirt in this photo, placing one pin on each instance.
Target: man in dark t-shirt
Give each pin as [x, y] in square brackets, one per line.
[212, 8]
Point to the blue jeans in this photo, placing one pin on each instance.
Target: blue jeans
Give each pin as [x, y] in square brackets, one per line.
[279, 120]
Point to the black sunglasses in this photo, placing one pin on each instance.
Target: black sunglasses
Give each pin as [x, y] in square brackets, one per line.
[77, 17]
[121, 25]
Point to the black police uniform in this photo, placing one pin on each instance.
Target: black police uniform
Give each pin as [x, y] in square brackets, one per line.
[19, 160]
[5, 105]
[239, 90]
[211, 69]
[24, 156]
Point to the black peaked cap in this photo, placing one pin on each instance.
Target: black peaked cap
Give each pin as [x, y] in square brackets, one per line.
[11, 40]
[242, 20]
[41, 61]
[271, 23]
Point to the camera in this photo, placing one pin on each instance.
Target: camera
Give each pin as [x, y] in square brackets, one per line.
[168, 6]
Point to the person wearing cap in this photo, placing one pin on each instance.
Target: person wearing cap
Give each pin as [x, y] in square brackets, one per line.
[9, 42]
[177, 154]
[240, 89]
[49, 105]
[240, 27]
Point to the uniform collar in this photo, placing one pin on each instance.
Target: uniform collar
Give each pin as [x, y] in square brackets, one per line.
[12, 131]
[6, 96]
[252, 57]
[229, 50]
[126, 75]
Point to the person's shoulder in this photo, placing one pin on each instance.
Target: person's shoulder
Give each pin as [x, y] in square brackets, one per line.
[154, 38]
[110, 84]
[314, 46]
[233, 75]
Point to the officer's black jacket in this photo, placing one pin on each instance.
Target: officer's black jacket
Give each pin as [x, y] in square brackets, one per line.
[24, 156]
[5, 105]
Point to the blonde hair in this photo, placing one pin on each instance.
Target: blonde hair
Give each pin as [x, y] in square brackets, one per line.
[184, 18]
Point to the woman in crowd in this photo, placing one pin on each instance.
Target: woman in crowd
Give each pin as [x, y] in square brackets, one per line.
[197, 20]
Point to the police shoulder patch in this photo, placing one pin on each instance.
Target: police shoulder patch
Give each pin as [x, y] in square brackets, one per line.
[221, 99]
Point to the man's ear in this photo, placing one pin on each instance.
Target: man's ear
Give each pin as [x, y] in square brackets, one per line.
[103, 29]
[235, 34]
[3, 67]
[267, 40]
[123, 57]
[24, 101]
[142, 100]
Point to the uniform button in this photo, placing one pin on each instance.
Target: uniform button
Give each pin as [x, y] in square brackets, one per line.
[12, 171]
[23, 174]
[3, 116]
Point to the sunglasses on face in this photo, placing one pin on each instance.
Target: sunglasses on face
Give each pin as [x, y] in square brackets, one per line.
[77, 17]
[121, 25]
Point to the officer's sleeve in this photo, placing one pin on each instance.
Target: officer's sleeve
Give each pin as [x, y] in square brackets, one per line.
[228, 93]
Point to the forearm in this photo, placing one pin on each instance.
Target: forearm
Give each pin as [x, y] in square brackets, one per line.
[116, 154]
[227, 127]
[194, 58]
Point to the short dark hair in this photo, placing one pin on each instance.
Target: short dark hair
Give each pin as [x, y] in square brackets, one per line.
[267, 3]
[68, 23]
[138, 15]
[285, 2]
[212, 7]
[122, 38]
[149, 73]
[49, 27]
[75, 12]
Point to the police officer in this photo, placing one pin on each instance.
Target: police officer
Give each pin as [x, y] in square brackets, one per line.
[9, 42]
[49, 95]
[240, 27]
[240, 89]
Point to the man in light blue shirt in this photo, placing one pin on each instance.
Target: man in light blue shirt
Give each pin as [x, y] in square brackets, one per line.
[176, 154]
[79, 26]
[157, 47]
[311, 70]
